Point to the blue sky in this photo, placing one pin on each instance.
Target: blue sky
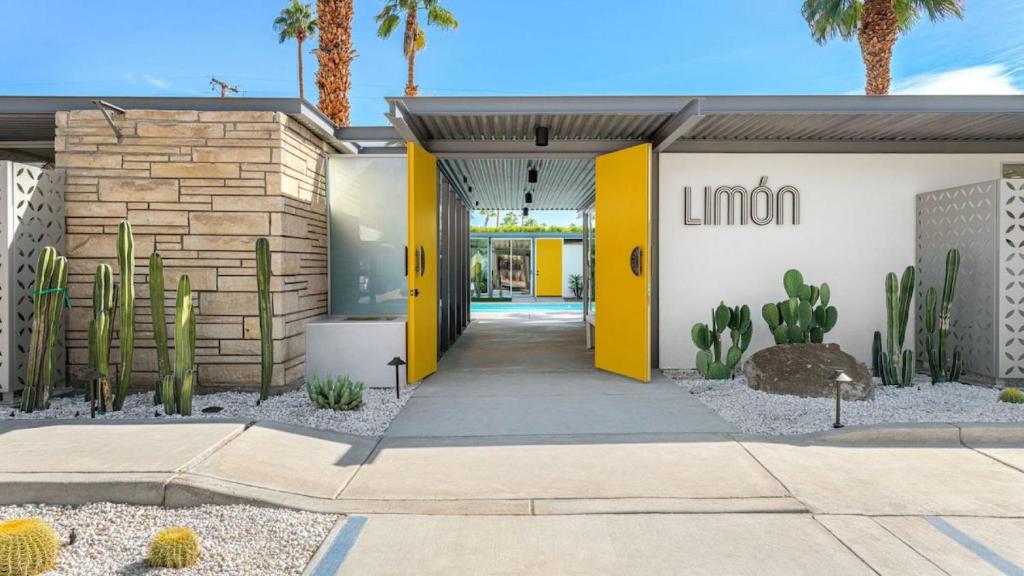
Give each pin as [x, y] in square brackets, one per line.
[133, 47]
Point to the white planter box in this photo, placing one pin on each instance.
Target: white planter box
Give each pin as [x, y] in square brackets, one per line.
[358, 348]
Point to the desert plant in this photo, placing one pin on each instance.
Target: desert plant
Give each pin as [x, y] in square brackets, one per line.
[296, 21]
[339, 394]
[27, 546]
[576, 285]
[805, 316]
[896, 364]
[876, 354]
[166, 393]
[266, 306]
[126, 292]
[48, 305]
[937, 350]
[156, 301]
[101, 329]
[184, 347]
[174, 548]
[1012, 395]
[708, 338]
[414, 40]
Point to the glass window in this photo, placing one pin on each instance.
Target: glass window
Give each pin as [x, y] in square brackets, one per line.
[479, 268]
[1013, 170]
[511, 266]
[369, 230]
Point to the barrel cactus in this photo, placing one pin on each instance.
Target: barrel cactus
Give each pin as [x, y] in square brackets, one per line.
[126, 271]
[174, 548]
[896, 364]
[805, 316]
[266, 307]
[337, 394]
[708, 339]
[156, 301]
[940, 321]
[101, 329]
[47, 310]
[1012, 395]
[27, 546]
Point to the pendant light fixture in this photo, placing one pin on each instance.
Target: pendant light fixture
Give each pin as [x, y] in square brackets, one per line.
[541, 136]
[532, 176]
[526, 211]
[529, 197]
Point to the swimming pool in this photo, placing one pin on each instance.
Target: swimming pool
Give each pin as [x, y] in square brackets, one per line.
[526, 307]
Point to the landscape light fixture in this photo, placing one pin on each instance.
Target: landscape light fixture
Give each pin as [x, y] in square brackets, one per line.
[840, 378]
[532, 179]
[541, 136]
[529, 197]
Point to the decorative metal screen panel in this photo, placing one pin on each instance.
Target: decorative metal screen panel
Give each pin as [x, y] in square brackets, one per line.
[985, 221]
[1011, 279]
[31, 217]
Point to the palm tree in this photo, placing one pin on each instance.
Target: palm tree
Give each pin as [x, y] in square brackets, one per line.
[876, 24]
[335, 55]
[296, 21]
[488, 214]
[414, 39]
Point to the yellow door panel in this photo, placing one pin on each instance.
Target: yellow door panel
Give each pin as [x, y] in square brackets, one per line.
[549, 267]
[622, 269]
[422, 266]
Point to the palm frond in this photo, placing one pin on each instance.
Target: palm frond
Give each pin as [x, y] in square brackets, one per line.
[830, 18]
[439, 16]
[387, 23]
[295, 21]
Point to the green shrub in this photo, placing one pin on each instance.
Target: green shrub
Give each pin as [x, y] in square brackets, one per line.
[1012, 395]
[339, 394]
[576, 285]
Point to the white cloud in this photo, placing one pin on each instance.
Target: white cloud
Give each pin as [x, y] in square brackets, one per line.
[989, 79]
[157, 82]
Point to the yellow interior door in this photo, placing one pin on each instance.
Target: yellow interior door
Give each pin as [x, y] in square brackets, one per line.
[549, 267]
[622, 268]
[422, 266]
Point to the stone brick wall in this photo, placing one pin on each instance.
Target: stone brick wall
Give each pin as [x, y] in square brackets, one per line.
[200, 188]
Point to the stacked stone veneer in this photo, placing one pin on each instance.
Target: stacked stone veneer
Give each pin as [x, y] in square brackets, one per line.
[200, 188]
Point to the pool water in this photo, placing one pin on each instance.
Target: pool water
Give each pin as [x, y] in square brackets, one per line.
[527, 307]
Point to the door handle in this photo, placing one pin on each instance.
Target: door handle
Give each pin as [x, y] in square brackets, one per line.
[636, 261]
[406, 260]
[421, 261]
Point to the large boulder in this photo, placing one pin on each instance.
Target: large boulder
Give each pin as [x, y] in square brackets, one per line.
[805, 370]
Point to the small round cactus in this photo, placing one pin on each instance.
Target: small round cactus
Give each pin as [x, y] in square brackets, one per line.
[174, 548]
[27, 546]
[1012, 395]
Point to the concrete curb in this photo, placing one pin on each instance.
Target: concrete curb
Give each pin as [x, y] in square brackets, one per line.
[914, 433]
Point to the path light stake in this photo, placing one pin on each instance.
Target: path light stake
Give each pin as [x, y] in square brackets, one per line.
[92, 376]
[840, 378]
[397, 363]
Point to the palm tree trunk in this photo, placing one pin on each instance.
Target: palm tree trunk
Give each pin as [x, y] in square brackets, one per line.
[334, 77]
[301, 96]
[411, 34]
[877, 36]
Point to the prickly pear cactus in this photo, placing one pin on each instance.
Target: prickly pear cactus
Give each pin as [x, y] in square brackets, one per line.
[28, 546]
[708, 339]
[174, 548]
[805, 316]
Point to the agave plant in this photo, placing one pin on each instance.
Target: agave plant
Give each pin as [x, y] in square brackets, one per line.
[337, 394]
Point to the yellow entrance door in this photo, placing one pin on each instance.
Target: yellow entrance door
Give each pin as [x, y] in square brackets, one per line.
[422, 264]
[549, 267]
[622, 268]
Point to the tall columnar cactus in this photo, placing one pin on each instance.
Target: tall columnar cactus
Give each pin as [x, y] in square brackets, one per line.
[895, 363]
[156, 301]
[937, 358]
[876, 354]
[184, 346]
[708, 338]
[805, 316]
[48, 304]
[126, 270]
[101, 329]
[266, 316]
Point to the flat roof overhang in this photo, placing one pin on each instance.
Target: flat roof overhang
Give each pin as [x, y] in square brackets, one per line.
[486, 135]
[27, 122]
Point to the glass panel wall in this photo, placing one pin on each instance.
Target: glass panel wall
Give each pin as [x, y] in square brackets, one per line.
[589, 261]
[512, 265]
[479, 267]
[368, 234]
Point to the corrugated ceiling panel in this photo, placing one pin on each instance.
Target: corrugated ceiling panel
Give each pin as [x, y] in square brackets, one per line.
[861, 127]
[562, 184]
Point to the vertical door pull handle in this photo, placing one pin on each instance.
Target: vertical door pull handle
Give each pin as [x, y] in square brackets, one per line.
[406, 260]
[421, 261]
[636, 261]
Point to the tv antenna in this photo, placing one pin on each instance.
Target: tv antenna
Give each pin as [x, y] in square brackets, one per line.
[223, 86]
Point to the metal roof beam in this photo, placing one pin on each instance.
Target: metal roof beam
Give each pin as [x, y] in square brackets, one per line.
[383, 150]
[679, 125]
[847, 146]
[861, 104]
[505, 148]
[367, 134]
[529, 105]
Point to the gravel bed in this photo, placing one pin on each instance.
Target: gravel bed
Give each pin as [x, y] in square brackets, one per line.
[757, 412]
[234, 540]
[379, 409]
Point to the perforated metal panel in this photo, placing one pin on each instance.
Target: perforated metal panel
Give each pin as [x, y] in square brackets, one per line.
[31, 217]
[985, 221]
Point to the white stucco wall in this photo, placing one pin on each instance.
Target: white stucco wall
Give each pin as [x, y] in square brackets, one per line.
[572, 263]
[857, 224]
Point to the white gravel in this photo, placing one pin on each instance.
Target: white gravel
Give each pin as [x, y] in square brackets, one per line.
[234, 540]
[757, 412]
[379, 408]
